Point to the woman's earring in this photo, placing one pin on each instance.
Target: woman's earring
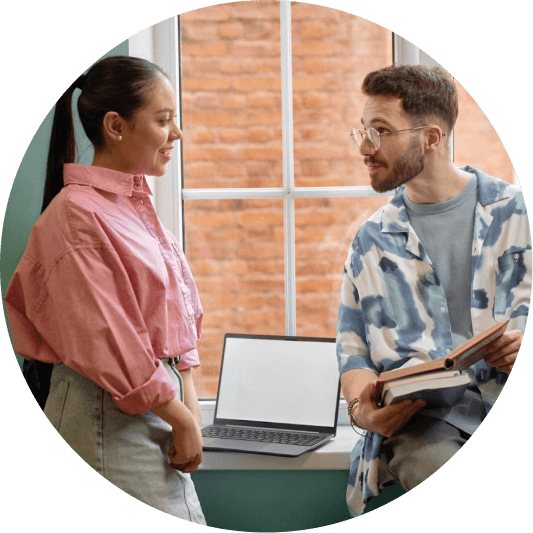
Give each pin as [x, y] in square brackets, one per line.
[120, 137]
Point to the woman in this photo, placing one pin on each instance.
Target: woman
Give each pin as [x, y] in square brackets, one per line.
[104, 292]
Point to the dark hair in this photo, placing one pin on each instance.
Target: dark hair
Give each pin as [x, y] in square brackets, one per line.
[424, 91]
[117, 83]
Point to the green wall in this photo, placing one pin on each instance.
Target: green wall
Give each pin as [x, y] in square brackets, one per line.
[24, 204]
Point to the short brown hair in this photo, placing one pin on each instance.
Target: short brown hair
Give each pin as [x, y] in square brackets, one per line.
[424, 91]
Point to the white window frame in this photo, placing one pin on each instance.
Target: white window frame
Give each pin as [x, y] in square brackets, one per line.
[161, 44]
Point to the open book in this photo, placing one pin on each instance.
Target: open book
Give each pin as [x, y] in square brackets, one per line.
[440, 382]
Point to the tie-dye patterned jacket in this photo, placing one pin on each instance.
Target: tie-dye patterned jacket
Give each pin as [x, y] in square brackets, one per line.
[393, 309]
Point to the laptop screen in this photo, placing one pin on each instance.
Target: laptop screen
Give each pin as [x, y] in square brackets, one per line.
[281, 380]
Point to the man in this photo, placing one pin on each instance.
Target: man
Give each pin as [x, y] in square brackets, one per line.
[448, 257]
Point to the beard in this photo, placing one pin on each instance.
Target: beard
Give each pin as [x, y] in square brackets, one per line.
[405, 168]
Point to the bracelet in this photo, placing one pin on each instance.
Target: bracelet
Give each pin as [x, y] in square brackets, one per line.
[355, 427]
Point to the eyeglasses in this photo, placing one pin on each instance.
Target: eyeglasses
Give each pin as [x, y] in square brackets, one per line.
[374, 137]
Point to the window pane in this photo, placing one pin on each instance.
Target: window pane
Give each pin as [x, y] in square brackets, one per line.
[231, 95]
[476, 143]
[332, 51]
[325, 229]
[235, 250]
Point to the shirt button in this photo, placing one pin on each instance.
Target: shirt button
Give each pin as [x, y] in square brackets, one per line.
[161, 240]
[448, 350]
[516, 256]
[442, 309]
[142, 202]
[138, 181]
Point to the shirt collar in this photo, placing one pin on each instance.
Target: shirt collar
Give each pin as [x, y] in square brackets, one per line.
[105, 179]
[394, 218]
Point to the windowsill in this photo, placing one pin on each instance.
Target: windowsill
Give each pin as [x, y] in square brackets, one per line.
[335, 455]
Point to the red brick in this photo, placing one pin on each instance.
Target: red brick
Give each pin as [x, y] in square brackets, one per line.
[252, 318]
[271, 152]
[262, 218]
[212, 219]
[208, 154]
[265, 285]
[256, 84]
[238, 268]
[205, 267]
[253, 251]
[231, 136]
[230, 66]
[205, 50]
[264, 100]
[251, 302]
[314, 285]
[230, 30]
[252, 11]
[317, 100]
[200, 170]
[315, 65]
[212, 13]
[259, 135]
[266, 267]
[205, 84]
[233, 101]
[303, 11]
[203, 136]
[230, 169]
[312, 30]
[259, 118]
[221, 118]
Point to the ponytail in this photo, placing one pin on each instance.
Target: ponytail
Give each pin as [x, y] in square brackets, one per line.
[62, 146]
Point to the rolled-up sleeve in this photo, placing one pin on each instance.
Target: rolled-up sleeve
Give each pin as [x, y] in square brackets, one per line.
[87, 316]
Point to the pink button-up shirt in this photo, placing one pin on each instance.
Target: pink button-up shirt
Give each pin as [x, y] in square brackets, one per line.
[104, 288]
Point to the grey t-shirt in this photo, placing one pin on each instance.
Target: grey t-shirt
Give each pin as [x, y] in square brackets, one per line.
[446, 232]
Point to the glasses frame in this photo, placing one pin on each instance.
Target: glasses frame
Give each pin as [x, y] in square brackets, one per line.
[355, 132]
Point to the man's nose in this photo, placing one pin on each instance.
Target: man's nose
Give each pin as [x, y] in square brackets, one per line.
[367, 147]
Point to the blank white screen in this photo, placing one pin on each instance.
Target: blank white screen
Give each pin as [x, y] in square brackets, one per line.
[280, 381]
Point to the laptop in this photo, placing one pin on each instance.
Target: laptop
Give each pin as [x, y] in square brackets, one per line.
[276, 395]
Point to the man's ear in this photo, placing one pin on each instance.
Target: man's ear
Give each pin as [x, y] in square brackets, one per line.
[435, 137]
[112, 127]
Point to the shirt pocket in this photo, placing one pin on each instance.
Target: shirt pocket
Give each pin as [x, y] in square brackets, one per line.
[511, 270]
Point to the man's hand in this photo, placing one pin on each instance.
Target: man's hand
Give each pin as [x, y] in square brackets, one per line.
[386, 420]
[503, 351]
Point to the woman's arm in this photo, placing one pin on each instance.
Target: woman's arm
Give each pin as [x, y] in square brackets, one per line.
[189, 394]
[186, 452]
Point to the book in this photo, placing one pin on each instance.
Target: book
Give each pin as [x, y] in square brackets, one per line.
[438, 381]
[439, 389]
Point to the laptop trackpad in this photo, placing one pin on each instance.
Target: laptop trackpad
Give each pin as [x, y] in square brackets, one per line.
[230, 444]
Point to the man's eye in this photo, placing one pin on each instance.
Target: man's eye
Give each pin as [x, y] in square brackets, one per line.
[382, 130]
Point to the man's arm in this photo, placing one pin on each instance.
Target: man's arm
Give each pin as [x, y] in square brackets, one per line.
[386, 421]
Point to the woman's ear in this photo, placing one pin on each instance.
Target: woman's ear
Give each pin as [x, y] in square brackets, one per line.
[112, 127]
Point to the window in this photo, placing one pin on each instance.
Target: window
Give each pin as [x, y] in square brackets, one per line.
[269, 191]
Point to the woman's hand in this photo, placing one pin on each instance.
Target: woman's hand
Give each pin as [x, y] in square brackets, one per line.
[185, 454]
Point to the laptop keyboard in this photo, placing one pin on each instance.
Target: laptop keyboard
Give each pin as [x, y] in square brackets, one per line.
[261, 435]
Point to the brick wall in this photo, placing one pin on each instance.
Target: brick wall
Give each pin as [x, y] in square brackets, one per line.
[231, 98]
